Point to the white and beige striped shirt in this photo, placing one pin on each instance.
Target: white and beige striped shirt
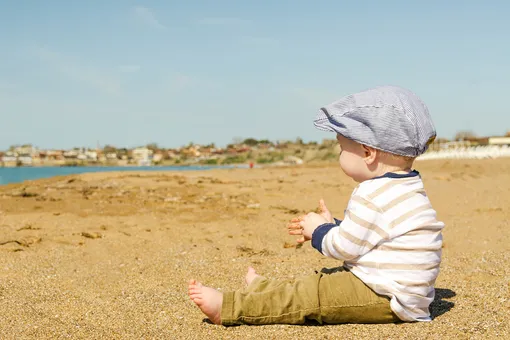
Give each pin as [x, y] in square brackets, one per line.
[391, 239]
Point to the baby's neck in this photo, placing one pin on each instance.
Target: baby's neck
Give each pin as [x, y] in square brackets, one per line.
[385, 168]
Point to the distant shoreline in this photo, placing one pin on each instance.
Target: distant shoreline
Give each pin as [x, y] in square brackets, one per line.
[126, 166]
[9, 175]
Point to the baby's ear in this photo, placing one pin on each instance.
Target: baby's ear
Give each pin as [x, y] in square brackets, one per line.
[370, 154]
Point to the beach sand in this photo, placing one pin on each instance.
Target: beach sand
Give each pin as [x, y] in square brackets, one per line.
[109, 255]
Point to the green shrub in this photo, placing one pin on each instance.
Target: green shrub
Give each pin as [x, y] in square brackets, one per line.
[234, 160]
[265, 160]
[329, 155]
[211, 161]
[271, 158]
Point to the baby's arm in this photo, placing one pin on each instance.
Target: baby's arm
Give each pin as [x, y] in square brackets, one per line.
[360, 231]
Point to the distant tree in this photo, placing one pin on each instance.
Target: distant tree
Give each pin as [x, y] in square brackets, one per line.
[250, 141]
[299, 141]
[507, 133]
[109, 149]
[122, 151]
[152, 146]
[464, 135]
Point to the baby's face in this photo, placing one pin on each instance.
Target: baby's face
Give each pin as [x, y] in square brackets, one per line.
[352, 159]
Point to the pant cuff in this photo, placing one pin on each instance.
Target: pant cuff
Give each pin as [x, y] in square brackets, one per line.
[227, 309]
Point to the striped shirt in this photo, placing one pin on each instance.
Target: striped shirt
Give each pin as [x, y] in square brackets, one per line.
[391, 240]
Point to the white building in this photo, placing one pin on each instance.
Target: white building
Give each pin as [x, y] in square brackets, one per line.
[9, 158]
[91, 155]
[25, 159]
[142, 156]
[499, 141]
[111, 156]
[25, 150]
[71, 154]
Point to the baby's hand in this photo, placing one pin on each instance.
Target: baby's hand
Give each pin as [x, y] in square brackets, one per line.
[306, 225]
[324, 211]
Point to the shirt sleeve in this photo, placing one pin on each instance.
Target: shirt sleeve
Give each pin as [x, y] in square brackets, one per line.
[362, 229]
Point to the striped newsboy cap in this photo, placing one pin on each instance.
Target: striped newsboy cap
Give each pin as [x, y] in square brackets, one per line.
[388, 118]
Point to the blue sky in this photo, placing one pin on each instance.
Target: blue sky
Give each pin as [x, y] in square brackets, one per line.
[128, 73]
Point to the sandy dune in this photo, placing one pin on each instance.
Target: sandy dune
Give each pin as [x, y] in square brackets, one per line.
[109, 255]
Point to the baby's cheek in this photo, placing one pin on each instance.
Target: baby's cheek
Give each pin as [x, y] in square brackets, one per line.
[344, 163]
[345, 159]
[348, 164]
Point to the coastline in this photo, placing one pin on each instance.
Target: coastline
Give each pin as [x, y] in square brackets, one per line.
[21, 174]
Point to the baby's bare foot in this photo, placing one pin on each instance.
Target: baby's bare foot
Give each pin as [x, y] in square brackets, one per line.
[251, 275]
[208, 299]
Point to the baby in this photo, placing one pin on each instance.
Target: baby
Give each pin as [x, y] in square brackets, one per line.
[389, 240]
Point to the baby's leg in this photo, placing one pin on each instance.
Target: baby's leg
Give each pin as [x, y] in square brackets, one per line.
[346, 299]
[260, 282]
[331, 296]
[266, 301]
[327, 297]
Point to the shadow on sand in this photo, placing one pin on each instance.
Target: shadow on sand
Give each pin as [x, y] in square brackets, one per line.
[440, 306]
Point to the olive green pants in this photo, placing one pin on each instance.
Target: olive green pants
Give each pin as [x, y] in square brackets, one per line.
[331, 296]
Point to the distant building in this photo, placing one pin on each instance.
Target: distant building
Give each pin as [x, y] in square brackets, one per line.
[71, 154]
[192, 151]
[142, 156]
[53, 155]
[173, 154]
[25, 160]
[112, 156]
[499, 140]
[9, 158]
[36, 159]
[217, 151]
[25, 150]
[158, 157]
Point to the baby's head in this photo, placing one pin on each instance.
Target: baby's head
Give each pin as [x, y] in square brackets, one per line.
[379, 130]
[362, 162]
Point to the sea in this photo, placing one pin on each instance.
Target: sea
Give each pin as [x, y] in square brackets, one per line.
[21, 174]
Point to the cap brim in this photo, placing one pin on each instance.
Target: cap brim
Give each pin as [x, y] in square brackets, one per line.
[324, 122]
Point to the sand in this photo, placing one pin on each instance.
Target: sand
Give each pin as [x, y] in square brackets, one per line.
[108, 255]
